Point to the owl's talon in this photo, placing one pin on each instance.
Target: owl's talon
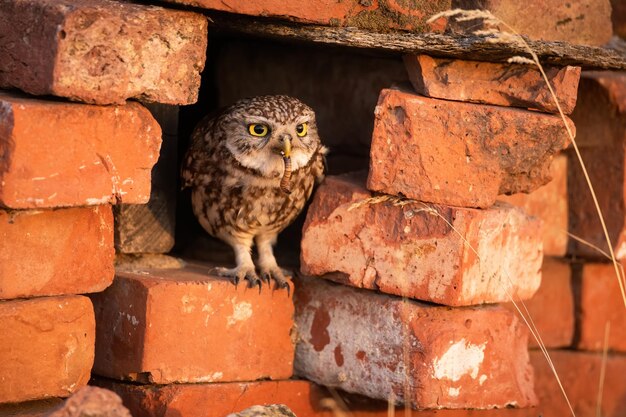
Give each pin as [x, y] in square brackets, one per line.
[278, 275]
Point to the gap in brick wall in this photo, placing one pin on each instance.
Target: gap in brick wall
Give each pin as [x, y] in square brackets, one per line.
[340, 84]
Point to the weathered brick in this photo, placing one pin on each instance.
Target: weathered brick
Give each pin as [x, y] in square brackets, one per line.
[579, 373]
[360, 341]
[101, 51]
[420, 251]
[46, 348]
[600, 117]
[599, 301]
[183, 325]
[550, 204]
[618, 16]
[364, 14]
[55, 252]
[552, 307]
[459, 154]
[39, 408]
[218, 400]
[515, 85]
[99, 154]
[586, 22]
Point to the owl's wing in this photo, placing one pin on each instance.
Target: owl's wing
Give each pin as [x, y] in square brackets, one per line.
[320, 166]
[195, 161]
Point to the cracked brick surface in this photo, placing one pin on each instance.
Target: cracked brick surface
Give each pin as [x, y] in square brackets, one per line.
[459, 154]
[420, 251]
[59, 154]
[102, 51]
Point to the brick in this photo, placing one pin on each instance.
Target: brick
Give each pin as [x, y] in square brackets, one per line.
[183, 325]
[364, 14]
[600, 117]
[218, 400]
[100, 155]
[78, 248]
[552, 307]
[599, 301]
[515, 85]
[46, 348]
[357, 340]
[407, 250]
[101, 51]
[618, 16]
[585, 22]
[39, 408]
[459, 154]
[580, 375]
[550, 204]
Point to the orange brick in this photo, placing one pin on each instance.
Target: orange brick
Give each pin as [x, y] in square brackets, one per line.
[56, 252]
[459, 154]
[365, 14]
[552, 307]
[101, 51]
[599, 302]
[515, 85]
[46, 348]
[601, 134]
[100, 154]
[549, 203]
[183, 325]
[38, 408]
[408, 250]
[585, 22]
[580, 375]
[359, 341]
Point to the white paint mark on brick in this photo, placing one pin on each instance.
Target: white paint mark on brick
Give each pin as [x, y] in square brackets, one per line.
[187, 301]
[241, 311]
[482, 379]
[454, 392]
[97, 201]
[462, 358]
[132, 319]
[215, 376]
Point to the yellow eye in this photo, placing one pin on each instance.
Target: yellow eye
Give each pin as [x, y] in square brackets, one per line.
[257, 129]
[302, 128]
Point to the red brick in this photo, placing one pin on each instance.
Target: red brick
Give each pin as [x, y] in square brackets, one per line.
[39, 408]
[218, 400]
[459, 154]
[100, 154]
[580, 374]
[101, 51]
[364, 14]
[46, 348]
[78, 248]
[359, 341]
[549, 203]
[586, 22]
[618, 16]
[183, 325]
[552, 307]
[599, 301]
[515, 85]
[410, 251]
[599, 117]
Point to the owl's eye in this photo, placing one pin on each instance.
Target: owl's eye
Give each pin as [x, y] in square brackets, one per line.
[257, 129]
[302, 128]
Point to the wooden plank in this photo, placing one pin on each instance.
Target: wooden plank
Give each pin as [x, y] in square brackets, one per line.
[149, 228]
[434, 44]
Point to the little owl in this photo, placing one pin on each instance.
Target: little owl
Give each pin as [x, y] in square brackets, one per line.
[251, 169]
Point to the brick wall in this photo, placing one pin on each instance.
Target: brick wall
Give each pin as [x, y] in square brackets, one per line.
[452, 190]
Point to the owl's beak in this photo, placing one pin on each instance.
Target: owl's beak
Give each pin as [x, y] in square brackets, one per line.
[285, 146]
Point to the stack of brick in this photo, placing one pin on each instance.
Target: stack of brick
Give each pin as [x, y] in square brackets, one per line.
[425, 225]
[64, 163]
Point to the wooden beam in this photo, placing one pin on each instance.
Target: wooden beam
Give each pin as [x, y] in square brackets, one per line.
[467, 47]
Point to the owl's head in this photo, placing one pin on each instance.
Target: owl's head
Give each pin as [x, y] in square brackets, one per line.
[259, 131]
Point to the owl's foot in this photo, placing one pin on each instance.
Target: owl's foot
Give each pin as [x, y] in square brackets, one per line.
[238, 273]
[278, 276]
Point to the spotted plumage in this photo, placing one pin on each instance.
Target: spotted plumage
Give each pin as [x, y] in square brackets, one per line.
[234, 167]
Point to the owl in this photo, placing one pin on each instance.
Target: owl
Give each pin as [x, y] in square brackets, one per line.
[251, 168]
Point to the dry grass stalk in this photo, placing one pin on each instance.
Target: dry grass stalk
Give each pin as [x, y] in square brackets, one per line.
[605, 352]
